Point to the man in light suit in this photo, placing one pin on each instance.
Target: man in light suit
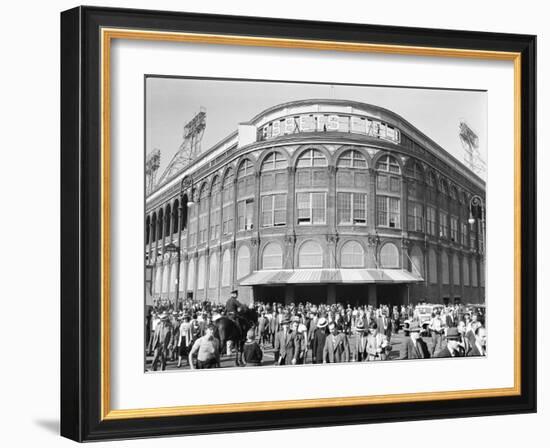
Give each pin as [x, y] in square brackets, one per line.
[336, 346]
[162, 341]
[284, 345]
[414, 347]
[377, 344]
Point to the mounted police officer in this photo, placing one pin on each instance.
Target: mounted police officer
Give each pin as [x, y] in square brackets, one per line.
[233, 307]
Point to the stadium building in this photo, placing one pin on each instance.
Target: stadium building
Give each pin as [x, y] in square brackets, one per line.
[323, 201]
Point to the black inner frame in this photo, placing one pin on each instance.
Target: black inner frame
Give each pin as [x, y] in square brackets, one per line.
[81, 223]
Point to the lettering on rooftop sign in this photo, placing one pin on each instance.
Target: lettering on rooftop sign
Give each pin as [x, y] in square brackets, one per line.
[329, 123]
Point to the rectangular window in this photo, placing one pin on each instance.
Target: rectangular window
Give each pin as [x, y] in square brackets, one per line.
[273, 210]
[215, 225]
[388, 211]
[454, 229]
[359, 208]
[416, 217]
[311, 208]
[430, 217]
[344, 208]
[472, 239]
[227, 219]
[245, 214]
[443, 226]
[464, 234]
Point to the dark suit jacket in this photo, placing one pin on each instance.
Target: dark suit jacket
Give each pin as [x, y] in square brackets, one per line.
[380, 323]
[284, 345]
[337, 351]
[318, 344]
[474, 351]
[414, 351]
[445, 353]
[163, 336]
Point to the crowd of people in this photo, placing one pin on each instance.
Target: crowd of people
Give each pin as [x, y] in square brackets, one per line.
[312, 333]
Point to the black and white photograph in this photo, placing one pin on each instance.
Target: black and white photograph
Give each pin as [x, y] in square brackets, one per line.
[304, 223]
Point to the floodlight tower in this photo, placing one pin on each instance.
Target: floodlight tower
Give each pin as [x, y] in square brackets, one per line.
[152, 164]
[470, 143]
[193, 132]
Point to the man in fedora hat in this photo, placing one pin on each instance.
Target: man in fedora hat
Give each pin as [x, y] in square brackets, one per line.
[452, 349]
[284, 344]
[336, 346]
[359, 348]
[318, 340]
[162, 341]
[414, 346]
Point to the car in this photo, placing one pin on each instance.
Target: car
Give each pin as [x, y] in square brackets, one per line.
[423, 314]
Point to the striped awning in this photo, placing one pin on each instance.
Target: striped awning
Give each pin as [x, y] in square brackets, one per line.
[320, 276]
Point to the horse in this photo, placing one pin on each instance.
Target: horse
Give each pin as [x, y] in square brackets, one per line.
[235, 330]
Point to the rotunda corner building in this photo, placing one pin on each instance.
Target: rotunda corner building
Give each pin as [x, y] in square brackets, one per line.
[323, 201]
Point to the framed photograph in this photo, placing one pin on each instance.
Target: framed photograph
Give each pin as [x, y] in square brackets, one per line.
[277, 224]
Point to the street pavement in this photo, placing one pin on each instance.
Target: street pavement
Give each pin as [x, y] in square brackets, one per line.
[269, 358]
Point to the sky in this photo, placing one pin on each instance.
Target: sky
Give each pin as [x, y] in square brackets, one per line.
[172, 102]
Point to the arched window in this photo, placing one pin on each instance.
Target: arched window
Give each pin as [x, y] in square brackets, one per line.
[272, 256]
[226, 268]
[245, 195]
[158, 280]
[351, 185]
[165, 274]
[227, 203]
[311, 158]
[167, 218]
[311, 187]
[182, 277]
[147, 229]
[310, 255]
[274, 162]
[193, 214]
[204, 208]
[482, 273]
[201, 272]
[213, 271]
[465, 271]
[273, 190]
[215, 209]
[352, 159]
[474, 273]
[415, 191]
[243, 262]
[175, 216]
[417, 261]
[432, 266]
[389, 256]
[160, 224]
[154, 228]
[191, 275]
[352, 255]
[456, 270]
[388, 192]
[444, 268]
[173, 277]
